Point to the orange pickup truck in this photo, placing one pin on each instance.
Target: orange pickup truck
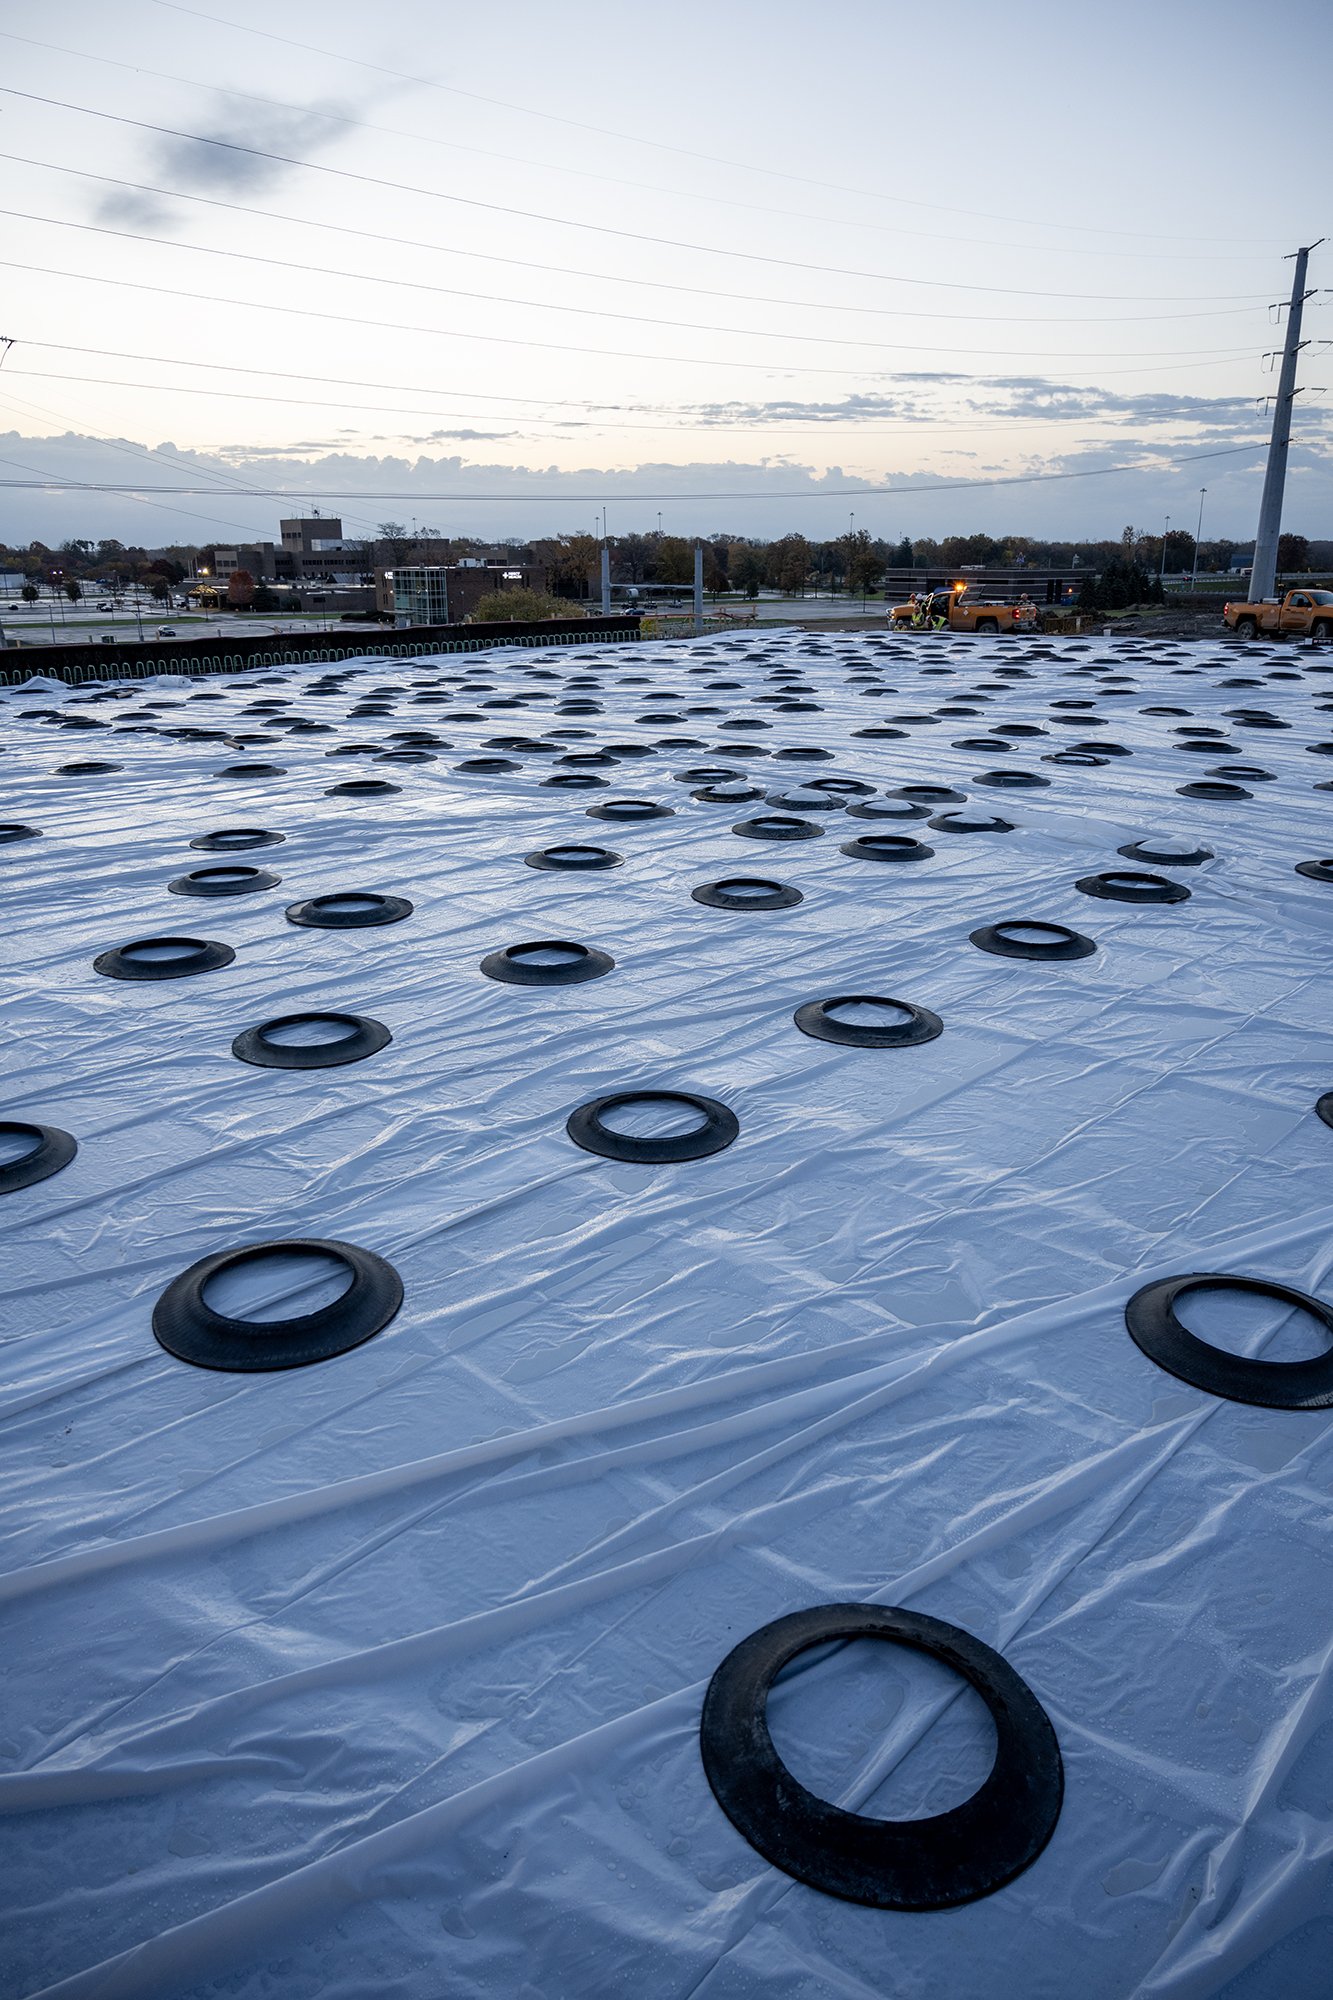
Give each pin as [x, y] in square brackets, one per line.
[949, 610]
[1304, 613]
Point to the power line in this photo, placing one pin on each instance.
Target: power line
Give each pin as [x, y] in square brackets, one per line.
[534, 215]
[713, 199]
[905, 491]
[1250, 300]
[572, 347]
[583, 312]
[215, 21]
[672, 421]
[355, 382]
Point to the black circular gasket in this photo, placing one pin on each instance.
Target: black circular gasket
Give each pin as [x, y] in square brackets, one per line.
[777, 896]
[952, 822]
[204, 955]
[886, 847]
[224, 881]
[930, 795]
[629, 812]
[235, 839]
[918, 1864]
[360, 788]
[509, 967]
[13, 829]
[318, 913]
[1208, 788]
[54, 1150]
[815, 1018]
[190, 1329]
[1271, 1385]
[1131, 887]
[888, 812]
[732, 794]
[1064, 943]
[719, 1129]
[368, 1037]
[1316, 871]
[1011, 780]
[574, 858]
[1324, 1107]
[776, 826]
[1143, 850]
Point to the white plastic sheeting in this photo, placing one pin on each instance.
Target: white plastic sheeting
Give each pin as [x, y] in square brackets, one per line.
[383, 1677]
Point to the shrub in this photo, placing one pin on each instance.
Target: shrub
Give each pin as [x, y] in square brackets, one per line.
[522, 605]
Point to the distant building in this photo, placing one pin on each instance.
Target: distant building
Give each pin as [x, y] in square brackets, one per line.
[446, 593]
[259, 559]
[315, 547]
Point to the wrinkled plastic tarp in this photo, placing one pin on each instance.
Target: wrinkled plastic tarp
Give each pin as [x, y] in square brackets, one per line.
[383, 1677]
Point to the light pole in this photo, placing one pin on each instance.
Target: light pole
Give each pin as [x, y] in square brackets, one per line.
[1198, 534]
[851, 548]
[1161, 574]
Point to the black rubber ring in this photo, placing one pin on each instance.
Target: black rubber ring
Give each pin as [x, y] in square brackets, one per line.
[886, 847]
[316, 912]
[719, 1129]
[931, 795]
[574, 858]
[1272, 1385]
[1143, 850]
[1132, 888]
[575, 781]
[252, 771]
[721, 895]
[206, 955]
[368, 1037]
[970, 823]
[361, 788]
[1064, 944]
[815, 1019]
[919, 1864]
[223, 881]
[1011, 780]
[190, 1329]
[1206, 789]
[630, 811]
[888, 812]
[510, 968]
[13, 829]
[233, 839]
[1324, 1108]
[86, 767]
[54, 1150]
[1316, 871]
[739, 795]
[804, 802]
[776, 826]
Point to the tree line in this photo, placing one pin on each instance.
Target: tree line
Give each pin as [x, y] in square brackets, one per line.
[856, 562]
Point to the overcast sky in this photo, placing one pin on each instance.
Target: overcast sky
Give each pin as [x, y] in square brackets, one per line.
[725, 263]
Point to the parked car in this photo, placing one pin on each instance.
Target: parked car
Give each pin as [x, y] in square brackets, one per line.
[166, 631]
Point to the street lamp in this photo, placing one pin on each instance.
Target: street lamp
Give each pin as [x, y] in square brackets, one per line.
[1198, 536]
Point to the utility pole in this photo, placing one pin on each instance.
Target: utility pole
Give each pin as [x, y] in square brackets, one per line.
[1263, 572]
[698, 590]
[1166, 534]
[1198, 537]
[606, 579]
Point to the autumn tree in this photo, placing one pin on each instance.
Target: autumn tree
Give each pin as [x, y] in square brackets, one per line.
[240, 590]
[1293, 553]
